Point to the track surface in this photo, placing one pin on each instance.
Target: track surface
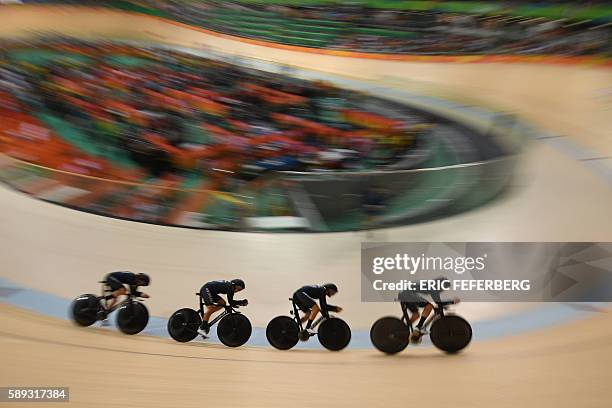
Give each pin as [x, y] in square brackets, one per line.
[556, 368]
[562, 194]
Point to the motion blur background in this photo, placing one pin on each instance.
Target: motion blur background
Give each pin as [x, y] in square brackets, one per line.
[200, 140]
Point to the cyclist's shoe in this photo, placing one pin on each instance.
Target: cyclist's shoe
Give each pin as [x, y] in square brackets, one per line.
[102, 315]
[204, 329]
[105, 322]
[417, 336]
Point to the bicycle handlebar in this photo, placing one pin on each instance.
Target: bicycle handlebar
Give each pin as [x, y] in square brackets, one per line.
[226, 306]
[234, 306]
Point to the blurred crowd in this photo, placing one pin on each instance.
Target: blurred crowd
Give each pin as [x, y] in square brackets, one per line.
[175, 112]
[180, 135]
[439, 33]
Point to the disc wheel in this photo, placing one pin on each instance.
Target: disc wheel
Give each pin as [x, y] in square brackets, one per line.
[390, 335]
[183, 325]
[451, 333]
[282, 332]
[334, 334]
[132, 317]
[85, 309]
[234, 330]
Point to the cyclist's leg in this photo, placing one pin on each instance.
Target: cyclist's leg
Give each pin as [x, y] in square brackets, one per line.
[414, 311]
[301, 307]
[210, 309]
[304, 309]
[427, 308]
[313, 314]
[410, 301]
[117, 290]
[115, 297]
[209, 300]
[308, 306]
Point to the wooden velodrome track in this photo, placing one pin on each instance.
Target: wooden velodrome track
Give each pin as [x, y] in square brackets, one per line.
[554, 198]
[562, 367]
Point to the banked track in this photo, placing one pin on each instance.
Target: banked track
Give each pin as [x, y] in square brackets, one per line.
[543, 369]
[59, 251]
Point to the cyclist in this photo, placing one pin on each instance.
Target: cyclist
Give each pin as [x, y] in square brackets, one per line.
[413, 300]
[213, 302]
[305, 299]
[119, 283]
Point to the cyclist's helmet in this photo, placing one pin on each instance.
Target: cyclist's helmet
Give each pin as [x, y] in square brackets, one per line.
[144, 279]
[331, 286]
[238, 282]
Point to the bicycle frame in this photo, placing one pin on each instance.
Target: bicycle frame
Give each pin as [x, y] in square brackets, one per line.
[296, 314]
[228, 310]
[296, 317]
[438, 311]
[106, 290]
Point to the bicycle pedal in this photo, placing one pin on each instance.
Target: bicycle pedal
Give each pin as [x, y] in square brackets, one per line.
[416, 340]
[304, 335]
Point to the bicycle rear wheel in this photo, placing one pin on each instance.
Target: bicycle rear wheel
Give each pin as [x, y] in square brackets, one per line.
[183, 325]
[85, 309]
[282, 332]
[451, 333]
[389, 335]
[334, 334]
[234, 330]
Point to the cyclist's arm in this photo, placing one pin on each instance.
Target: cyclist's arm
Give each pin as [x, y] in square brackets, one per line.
[436, 298]
[323, 303]
[134, 290]
[230, 295]
[332, 308]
